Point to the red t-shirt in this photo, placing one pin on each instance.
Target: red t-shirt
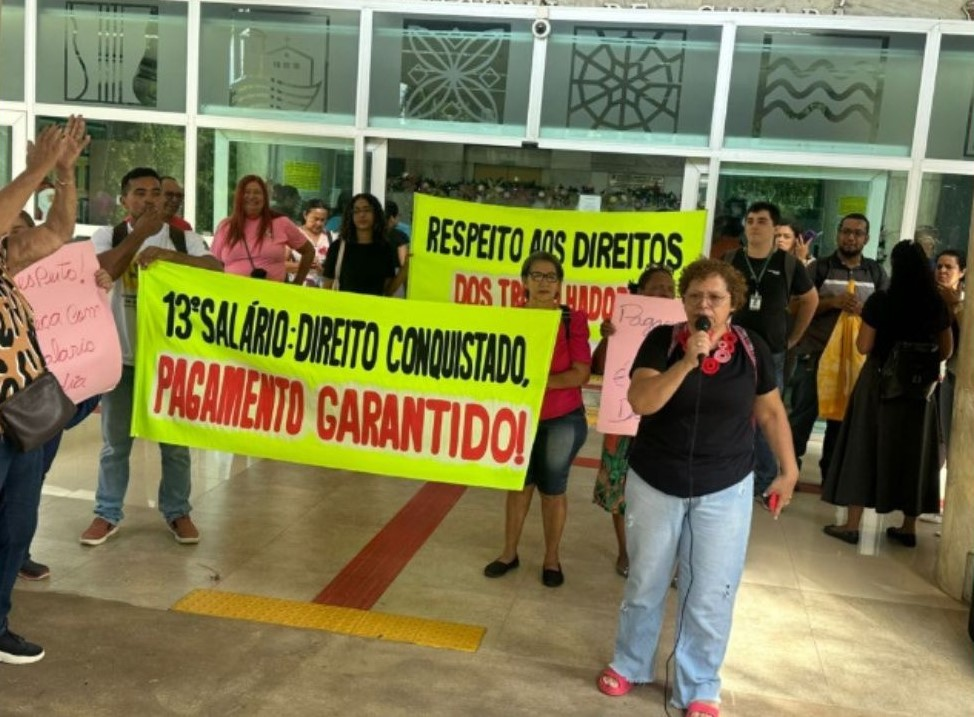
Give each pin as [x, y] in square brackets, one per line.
[568, 349]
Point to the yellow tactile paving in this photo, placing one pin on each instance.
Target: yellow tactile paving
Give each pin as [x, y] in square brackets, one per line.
[343, 620]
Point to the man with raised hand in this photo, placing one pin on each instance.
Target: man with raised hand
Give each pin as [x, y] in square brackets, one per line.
[144, 237]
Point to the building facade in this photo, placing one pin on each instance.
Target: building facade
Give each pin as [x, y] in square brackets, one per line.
[822, 106]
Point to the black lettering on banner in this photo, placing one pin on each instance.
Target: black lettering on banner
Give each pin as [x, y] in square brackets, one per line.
[454, 354]
[550, 241]
[337, 342]
[454, 236]
[626, 250]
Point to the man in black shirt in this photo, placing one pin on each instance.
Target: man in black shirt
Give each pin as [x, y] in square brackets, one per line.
[773, 278]
[831, 276]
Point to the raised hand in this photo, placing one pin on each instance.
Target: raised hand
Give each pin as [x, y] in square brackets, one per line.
[43, 152]
[73, 143]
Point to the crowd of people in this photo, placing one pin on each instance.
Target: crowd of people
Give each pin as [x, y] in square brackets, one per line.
[714, 438]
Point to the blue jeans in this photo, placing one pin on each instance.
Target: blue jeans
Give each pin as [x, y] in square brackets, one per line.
[556, 444]
[20, 494]
[765, 464]
[708, 537]
[113, 470]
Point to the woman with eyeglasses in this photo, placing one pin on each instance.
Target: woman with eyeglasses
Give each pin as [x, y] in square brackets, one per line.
[561, 430]
[362, 260]
[252, 240]
[610, 482]
[700, 387]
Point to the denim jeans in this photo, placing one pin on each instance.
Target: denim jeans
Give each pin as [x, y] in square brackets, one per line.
[113, 470]
[707, 536]
[556, 444]
[20, 494]
[765, 463]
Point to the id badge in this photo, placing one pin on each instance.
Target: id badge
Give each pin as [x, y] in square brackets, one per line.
[754, 303]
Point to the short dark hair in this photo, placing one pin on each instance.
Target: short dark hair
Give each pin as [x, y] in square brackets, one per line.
[704, 268]
[164, 177]
[392, 209]
[768, 207]
[961, 259]
[542, 256]
[314, 204]
[856, 216]
[138, 173]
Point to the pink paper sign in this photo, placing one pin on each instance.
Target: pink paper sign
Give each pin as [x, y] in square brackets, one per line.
[74, 322]
[633, 317]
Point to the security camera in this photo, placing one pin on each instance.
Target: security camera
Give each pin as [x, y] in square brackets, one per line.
[541, 29]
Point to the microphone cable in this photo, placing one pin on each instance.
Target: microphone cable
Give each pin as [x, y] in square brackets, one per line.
[702, 324]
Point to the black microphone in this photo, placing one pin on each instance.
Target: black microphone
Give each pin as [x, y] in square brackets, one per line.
[701, 324]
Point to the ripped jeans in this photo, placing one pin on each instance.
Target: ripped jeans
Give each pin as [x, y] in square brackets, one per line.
[709, 543]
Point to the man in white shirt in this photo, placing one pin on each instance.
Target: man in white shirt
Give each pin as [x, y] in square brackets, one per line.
[141, 239]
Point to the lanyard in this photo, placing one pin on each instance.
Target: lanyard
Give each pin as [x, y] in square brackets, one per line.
[764, 268]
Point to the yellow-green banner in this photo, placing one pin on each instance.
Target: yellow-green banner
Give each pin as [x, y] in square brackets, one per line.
[472, 253]
[438, 392]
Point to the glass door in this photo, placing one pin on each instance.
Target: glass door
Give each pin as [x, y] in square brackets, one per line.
[815, 198]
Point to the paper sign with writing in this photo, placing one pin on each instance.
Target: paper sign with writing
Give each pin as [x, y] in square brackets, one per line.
[634, 317]
[74, 323]
[439, 392]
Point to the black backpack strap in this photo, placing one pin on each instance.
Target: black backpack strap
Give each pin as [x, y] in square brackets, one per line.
[791, 266]
[178, 238]
[119, 232]
[566, 319]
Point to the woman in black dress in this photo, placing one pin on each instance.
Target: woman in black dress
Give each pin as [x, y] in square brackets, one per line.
[887, 453]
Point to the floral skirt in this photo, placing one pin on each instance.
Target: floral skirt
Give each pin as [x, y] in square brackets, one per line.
[610, 483]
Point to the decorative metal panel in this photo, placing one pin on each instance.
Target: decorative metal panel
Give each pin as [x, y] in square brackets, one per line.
[799, 85]
[455, 72]
[630, 80]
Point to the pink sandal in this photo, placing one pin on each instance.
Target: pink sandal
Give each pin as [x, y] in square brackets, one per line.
[703, 708]
[607, 677]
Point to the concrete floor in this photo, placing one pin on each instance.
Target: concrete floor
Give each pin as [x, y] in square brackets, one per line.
[819, 628]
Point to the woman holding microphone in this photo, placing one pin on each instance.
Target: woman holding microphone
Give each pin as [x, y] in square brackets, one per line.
[699, 387]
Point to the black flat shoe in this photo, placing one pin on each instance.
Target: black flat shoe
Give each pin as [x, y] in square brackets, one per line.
[906, 539]
[552, 578]
[846, 536]
[498, 569]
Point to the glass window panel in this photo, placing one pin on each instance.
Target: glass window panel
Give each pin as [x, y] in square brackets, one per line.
[952, 116]
[824, 91]
[296, 169]
[814, 198]
[124, 54]
[117, 147]
[946, 205]
[12, 50]
[653, 85]
[280, 63]
[545, 179]
[452, 75]
[6, 152]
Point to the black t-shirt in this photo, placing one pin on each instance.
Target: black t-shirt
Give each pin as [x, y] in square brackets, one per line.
[723, 452]
[878, 313]
[365, 267]
[771, 320]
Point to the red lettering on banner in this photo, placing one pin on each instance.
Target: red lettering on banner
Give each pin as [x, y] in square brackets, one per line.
[472, 290]
[218, 395]
[597, 302]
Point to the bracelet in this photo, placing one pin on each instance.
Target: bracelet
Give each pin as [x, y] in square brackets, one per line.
[59, 183]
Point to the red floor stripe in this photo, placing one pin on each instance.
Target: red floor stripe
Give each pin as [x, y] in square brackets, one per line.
[586, 462]
[370, 573]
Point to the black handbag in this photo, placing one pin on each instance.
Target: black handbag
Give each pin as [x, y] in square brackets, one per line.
[35, 414]
[911, 371]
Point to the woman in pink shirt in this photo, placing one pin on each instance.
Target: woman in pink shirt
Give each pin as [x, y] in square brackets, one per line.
[251, 241]
[562, 429]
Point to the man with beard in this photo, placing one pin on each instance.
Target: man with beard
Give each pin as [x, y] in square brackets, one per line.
[831, 277]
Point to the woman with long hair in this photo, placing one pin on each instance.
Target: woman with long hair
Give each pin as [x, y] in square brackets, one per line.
[887, 453]
[791, 239]
[561, 431]
[252, 240]
[314, 215]
[362, 260]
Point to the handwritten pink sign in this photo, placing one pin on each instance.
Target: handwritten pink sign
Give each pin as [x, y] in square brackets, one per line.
[74, 322]
[634, 317]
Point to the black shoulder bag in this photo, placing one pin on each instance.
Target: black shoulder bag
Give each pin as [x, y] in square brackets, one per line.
[911, 371]
[35, 414]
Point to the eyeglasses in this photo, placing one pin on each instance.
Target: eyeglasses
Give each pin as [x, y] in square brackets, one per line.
[539, 277]
[857, 233]
[698, 298]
